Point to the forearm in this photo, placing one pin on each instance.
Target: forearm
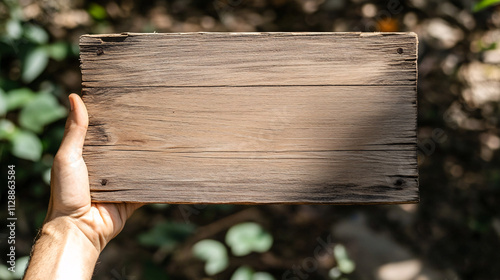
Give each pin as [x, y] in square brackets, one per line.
[62, 252]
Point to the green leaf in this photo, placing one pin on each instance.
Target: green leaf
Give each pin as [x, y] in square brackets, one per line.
[35, 62]
[340, 252]
[3, 103]
[46, 176]
[75, 49]
[345, 265]
[7, 129]
[21, 265]
[166, 235]
[242, 273]
[26, 145]
[249, 237]
[5, 273]
[97, 11]
[246, 273]
[334, 273]
[42, 110]
[481, 5]
[19, 97]
[14, 29]
[262, 276]
[213, 253]
[36, 34]
[58, 51]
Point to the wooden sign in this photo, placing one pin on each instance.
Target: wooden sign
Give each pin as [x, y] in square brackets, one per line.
[251, 117]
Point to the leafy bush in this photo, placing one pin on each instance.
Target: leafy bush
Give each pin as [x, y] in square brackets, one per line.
[28, 102]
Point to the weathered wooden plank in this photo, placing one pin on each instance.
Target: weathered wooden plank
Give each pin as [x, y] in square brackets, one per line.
[251, 118]
[245, 59]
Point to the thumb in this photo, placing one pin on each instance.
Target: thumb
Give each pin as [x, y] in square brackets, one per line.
[75, 129]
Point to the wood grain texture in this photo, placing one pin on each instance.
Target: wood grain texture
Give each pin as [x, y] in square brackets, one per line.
[251, 117]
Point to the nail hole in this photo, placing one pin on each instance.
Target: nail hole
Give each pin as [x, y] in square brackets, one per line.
[400, 50]
[399, 182]
[99, 51]
[104, 182]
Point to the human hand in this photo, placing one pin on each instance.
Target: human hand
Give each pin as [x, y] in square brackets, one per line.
[70, 191]
[75, 229]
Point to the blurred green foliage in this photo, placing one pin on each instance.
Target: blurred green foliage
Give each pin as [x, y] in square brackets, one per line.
[97, 11]
[247, 273]
[28, 102]
[483, 4]
[213, 253]
[344, 263]
[21, 264]
[243, 239]
[166, 235]
[249, 237]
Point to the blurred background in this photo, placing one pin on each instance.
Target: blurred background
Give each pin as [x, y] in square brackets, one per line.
[453, 233]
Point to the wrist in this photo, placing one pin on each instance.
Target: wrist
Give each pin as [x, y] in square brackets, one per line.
[85, 223]
[66, 248]
[64, 227]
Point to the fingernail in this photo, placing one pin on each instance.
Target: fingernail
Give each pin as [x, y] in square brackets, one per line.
[72, 107]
